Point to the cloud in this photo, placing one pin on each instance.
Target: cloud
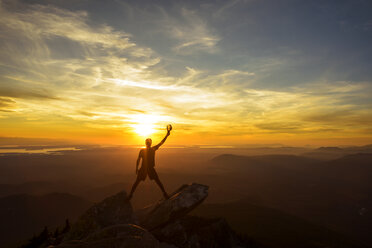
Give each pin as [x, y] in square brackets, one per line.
[40, 21]
[6, 104]
[279, 126]
[143, 84]
[193, 33]
[351, 117]
[12, 88]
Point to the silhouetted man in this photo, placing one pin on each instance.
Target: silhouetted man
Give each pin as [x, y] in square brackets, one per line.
[148, 163]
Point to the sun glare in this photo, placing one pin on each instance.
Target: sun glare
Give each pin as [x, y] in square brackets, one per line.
[145, 125]
[144, 129]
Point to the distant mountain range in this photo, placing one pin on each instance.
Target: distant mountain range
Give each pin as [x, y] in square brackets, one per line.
[336, 193]
[36, 188]
[24, 215]
[329, 153]
[273, 228]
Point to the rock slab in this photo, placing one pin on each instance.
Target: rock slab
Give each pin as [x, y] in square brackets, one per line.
[181, 202]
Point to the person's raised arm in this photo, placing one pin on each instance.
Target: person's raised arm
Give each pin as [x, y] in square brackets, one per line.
[169, 128]
[138, 160]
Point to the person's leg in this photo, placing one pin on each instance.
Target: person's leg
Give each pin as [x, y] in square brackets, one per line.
[134, 188]
[154, 176]
[157, 180]
[141, 176]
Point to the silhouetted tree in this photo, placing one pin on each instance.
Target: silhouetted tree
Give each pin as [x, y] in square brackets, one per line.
[67, 227]
[56, 233]
[37, 241]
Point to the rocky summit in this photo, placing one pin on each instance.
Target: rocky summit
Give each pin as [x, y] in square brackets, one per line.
[114, 210]
[112, 223]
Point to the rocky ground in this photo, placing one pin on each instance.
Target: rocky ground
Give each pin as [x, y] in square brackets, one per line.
[165, 224]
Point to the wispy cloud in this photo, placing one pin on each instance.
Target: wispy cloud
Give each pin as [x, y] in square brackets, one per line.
[145, 84]
[6, 104]
[39, 21]
[193, 33]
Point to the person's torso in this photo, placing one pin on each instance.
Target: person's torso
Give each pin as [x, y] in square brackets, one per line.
[148, 158]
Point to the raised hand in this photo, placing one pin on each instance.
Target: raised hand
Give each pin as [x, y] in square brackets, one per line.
[169, 128]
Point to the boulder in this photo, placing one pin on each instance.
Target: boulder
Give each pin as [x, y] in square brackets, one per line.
[111, 211]
[181, 202]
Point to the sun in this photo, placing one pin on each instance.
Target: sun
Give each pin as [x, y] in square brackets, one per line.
[145, 125]
[144, 129]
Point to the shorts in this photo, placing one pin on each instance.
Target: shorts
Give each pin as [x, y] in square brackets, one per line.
[142, 173]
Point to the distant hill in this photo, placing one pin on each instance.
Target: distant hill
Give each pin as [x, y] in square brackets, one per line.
[331, 153]
[274, 228]
[37, 188]
[276, 158]
[361, 148]
[284, 170]
[330, 149]
[352, 170]
[358, 159]
[24, 215]
[336, 193]
[100, 193]
[274, 161]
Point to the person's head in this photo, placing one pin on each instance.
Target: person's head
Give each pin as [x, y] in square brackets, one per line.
[148, 142]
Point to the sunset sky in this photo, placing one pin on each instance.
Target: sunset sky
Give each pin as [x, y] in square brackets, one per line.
[221, 72]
